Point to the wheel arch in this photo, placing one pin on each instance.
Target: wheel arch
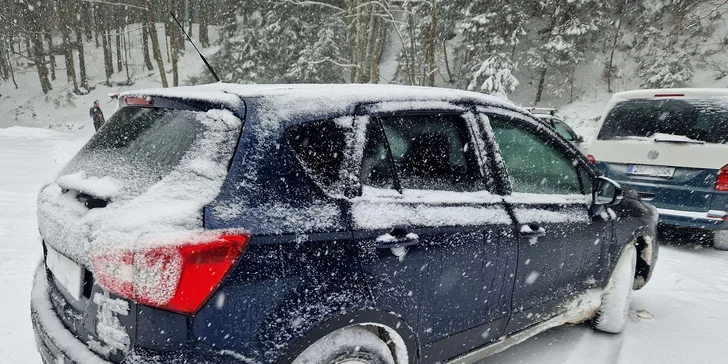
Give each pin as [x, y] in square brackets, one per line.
[394, 331]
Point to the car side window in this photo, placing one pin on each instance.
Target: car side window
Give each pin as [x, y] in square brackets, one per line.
[320, 147]
[430, 152]
[533, 163]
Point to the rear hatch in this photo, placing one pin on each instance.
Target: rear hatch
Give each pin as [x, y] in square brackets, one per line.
[669, 149]
[148, 172]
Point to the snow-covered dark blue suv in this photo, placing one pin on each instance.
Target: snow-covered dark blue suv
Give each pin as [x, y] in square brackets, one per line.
[328, 224]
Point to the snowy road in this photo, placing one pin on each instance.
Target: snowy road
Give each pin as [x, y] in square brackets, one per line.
[680, 317]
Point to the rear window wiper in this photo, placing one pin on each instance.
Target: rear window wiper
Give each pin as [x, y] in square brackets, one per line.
[669, 138]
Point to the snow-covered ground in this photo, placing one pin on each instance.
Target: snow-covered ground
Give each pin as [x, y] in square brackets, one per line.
[28, 158]
[678, 318]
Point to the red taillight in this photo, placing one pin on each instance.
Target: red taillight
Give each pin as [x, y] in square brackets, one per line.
[179, 277]
[143, 101]
[722, 183]
[591, 159]
[670, 95]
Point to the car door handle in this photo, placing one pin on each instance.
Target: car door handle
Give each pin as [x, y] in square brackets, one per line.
[530, 231]
[397, 238]
[646, 196]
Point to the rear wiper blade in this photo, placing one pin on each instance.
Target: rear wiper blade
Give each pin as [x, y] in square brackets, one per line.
[669, 138]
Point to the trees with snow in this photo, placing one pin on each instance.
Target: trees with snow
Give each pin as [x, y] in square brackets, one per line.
[667, 70]
[494, 76]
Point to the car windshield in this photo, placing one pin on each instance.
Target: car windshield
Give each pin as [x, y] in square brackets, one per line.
[699, 120]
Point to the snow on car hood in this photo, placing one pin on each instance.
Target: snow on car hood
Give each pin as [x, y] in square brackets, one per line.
[171, 205]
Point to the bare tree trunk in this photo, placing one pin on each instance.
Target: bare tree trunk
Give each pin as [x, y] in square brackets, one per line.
[108, 61]
[119, 65]
[145, 48]
[126, 57]
[432, 40]
[51, 54]
[202, 15]
[174, 46]
[361, 46]
[155, 42]
[167, 34]
[28, 48]
[539, 90]
[189, 11]
[85, 16]
[70, 66]
[610, 70]
[378, 48]
[97, 24]
[413, 51]
[81, 59]
[447, 61]
[39, 60]
[10, 66]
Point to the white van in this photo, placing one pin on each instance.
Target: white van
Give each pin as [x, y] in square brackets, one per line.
[670, 145]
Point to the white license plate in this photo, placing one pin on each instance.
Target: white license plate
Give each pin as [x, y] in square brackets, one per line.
[653, 171]
[66, 272]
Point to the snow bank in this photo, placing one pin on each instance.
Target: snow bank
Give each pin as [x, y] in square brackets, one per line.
[25, 132]
[171, 205]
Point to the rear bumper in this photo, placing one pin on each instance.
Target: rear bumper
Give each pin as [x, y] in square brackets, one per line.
[58, 345]
[689, 219]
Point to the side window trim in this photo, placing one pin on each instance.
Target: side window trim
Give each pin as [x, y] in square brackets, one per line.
[539, 132]
[390, 157]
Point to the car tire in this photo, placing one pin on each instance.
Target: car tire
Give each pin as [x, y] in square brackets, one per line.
[351, 345]
[614, 310]
[720, 239]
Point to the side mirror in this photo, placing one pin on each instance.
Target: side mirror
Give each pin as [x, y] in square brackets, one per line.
[607, 192]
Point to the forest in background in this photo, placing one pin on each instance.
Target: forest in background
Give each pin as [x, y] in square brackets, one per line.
[489, 46]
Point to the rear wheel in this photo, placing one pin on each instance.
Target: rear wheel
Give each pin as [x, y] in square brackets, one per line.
[614, 310]
[351, 345]
[720, 239]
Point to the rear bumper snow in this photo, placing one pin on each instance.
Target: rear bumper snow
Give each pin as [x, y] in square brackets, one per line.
[58, 345]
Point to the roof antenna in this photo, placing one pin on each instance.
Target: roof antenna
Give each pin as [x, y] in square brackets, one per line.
[214, 74]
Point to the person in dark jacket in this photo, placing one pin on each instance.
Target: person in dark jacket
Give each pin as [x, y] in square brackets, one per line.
[97, 115]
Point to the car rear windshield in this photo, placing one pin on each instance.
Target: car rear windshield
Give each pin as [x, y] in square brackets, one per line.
[139, 145]
[701, 120]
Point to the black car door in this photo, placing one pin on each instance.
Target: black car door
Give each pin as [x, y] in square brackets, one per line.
[434, 239]
[548, 191]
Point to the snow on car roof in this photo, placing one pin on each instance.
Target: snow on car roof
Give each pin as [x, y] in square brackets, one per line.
[672, 92]
[334, 94]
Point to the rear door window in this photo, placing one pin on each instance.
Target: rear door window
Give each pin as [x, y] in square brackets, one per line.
[430, 152]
